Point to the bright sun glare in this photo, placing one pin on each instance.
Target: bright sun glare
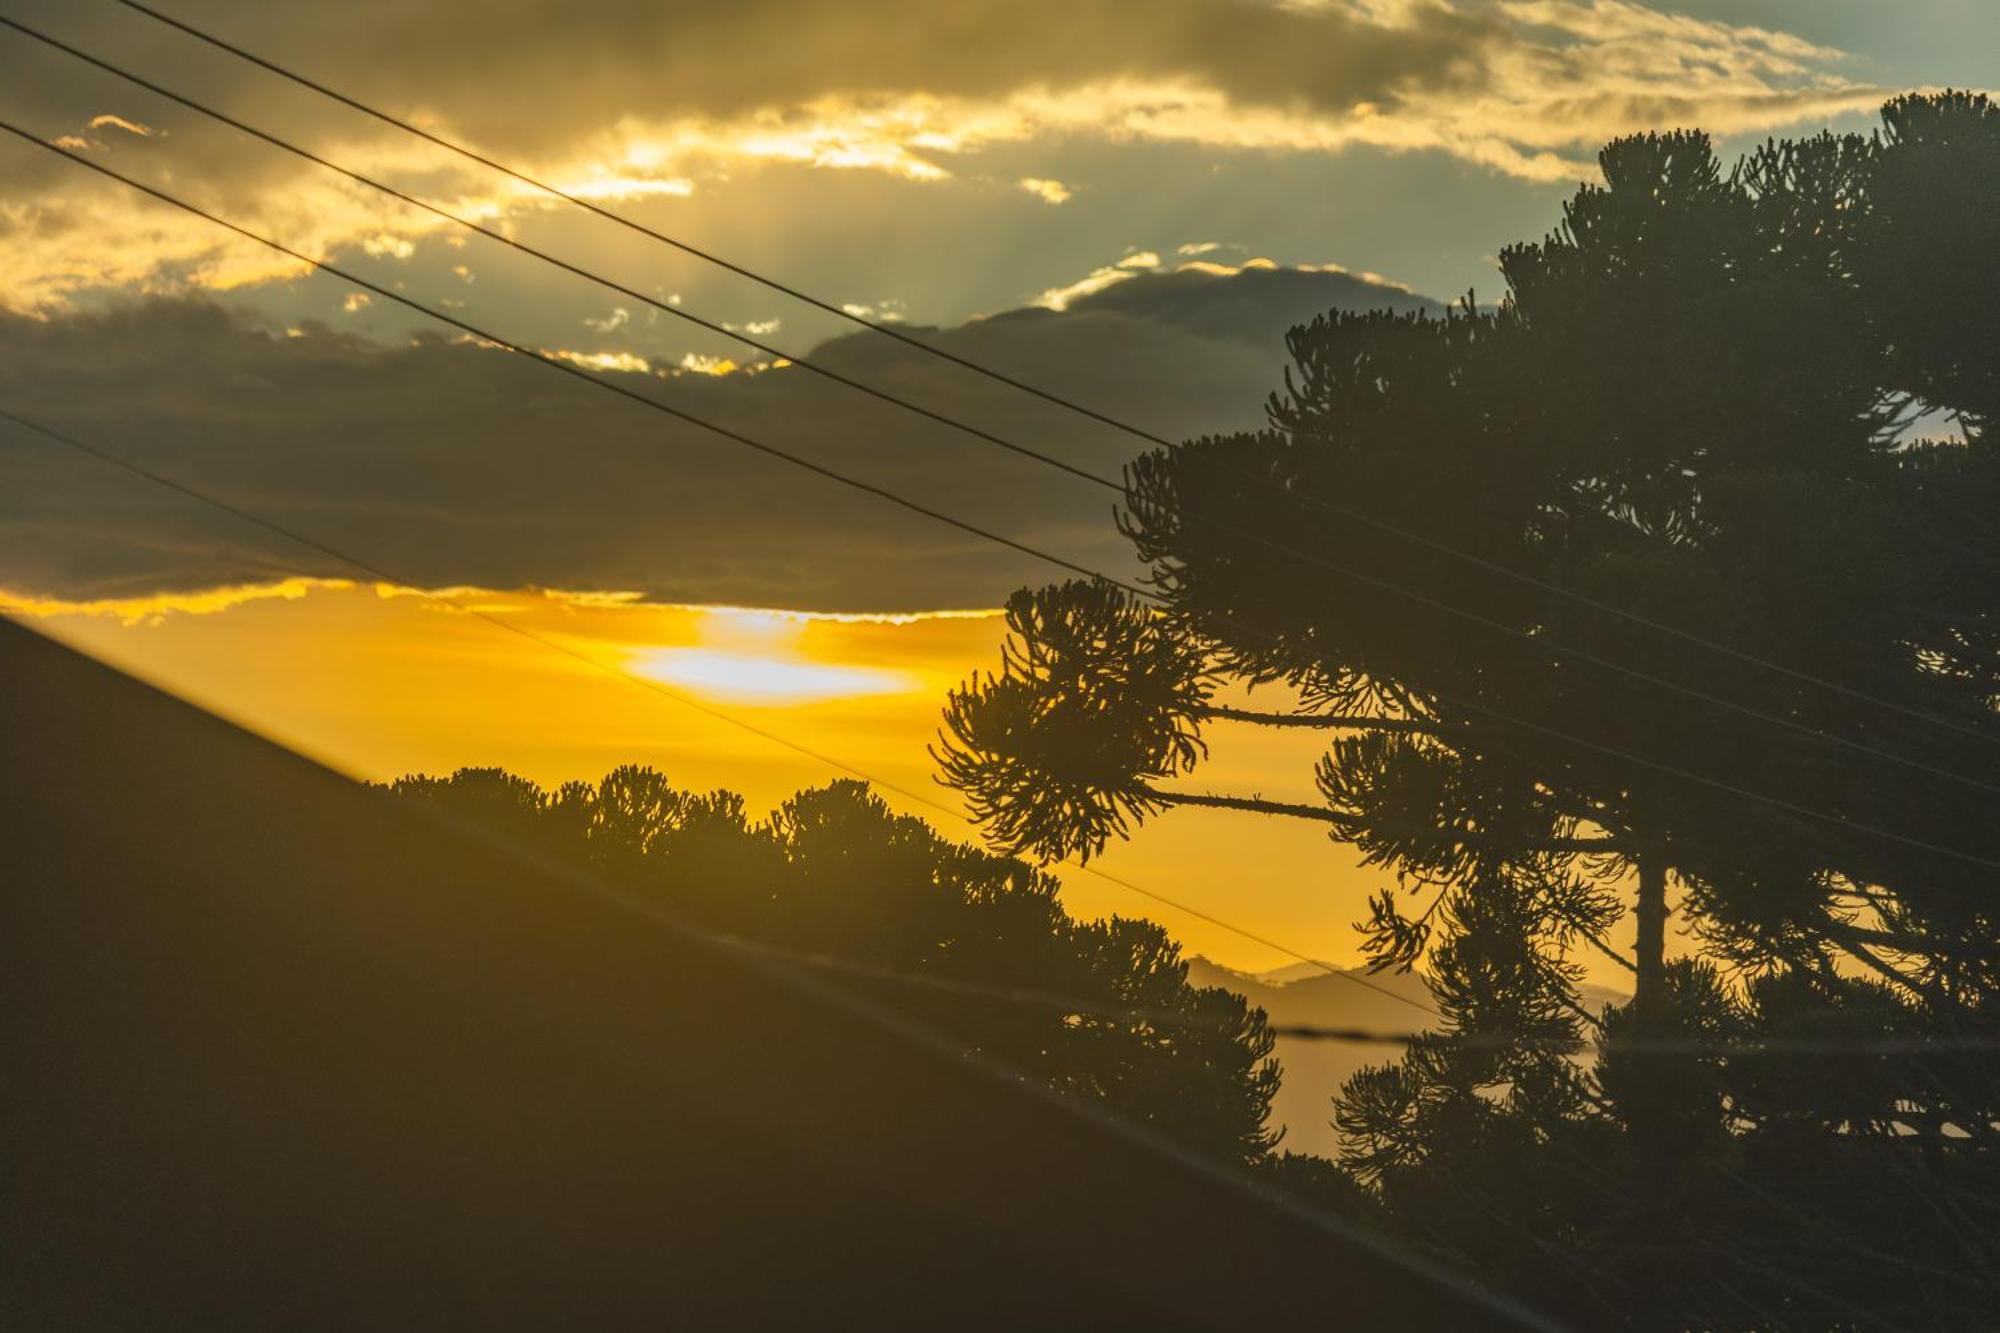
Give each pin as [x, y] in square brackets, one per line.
[758, 657]
[768, 679]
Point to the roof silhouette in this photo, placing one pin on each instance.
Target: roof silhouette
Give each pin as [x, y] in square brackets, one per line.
[280, 1052]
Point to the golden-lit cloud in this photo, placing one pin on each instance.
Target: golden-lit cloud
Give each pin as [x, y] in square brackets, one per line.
[1048, 191]
[156, 607]
[75, 232]
[1139, 262]
[882, 312]
[1098, 279]
[699, 363]
[110, 122]
[623, 362]
[629, 363]
[753, 654]
[1526, 88]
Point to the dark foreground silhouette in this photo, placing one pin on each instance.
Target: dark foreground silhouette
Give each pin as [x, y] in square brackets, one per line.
[971, 944]
[281, 1052]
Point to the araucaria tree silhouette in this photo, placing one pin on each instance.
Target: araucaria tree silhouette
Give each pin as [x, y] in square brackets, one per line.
[972, 945]
[1668, 584]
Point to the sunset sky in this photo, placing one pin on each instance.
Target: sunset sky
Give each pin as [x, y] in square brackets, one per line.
[1127, 202]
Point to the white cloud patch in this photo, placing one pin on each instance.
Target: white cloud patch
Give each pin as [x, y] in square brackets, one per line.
[617, 319]
[700, 363]
[882, 312]
[610, 185]
[355, 302]
[627, 363]
[1048, 191]
[1098, 279]
[110, 122]
[388, 245]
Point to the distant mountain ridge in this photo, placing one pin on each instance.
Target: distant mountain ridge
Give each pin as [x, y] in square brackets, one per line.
[1253, 305]
[1285, 976]
[1306, 994]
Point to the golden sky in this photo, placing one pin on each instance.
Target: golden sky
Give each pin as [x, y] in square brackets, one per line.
[378, 683]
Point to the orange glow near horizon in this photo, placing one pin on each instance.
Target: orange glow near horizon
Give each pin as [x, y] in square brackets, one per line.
[378, 681]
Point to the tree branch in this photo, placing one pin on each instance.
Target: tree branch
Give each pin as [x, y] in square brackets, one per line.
[1847, 939]
[1578, 846]
[1326, 721]
[1599, 943]
[1320, 814]
[1253, 804]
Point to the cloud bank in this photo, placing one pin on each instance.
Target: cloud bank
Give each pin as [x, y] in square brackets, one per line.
[448, 463]
[637, 100]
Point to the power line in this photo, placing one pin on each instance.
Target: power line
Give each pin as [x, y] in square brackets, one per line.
[1300, 1032]
[1826, 1047]
[1016, 995]
[851, 968]
[557, 363]
[650, 911]
[989, 437]
[1594, 1173]
[382, 575]
[576, 270]
[1303, 1032]
[1058, 400]
[501, 238]
[892, 497]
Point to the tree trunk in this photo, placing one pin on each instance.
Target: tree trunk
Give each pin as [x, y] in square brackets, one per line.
[1649, 951]
[1648, 1096]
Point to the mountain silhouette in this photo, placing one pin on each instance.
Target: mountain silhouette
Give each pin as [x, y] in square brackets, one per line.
[1306, 994]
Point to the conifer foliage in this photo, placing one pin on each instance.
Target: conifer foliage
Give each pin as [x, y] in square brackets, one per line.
[1664, 588]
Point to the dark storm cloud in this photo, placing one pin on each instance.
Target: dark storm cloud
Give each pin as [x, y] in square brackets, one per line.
[454, 464]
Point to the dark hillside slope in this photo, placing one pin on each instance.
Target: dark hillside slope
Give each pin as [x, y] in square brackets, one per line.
[280, 1053]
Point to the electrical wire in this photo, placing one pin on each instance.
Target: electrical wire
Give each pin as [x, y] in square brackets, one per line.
[379, 574]
[1048, 460]
[1010, 994]
[1054, 399]
[1782, 1046]
[894, 498]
